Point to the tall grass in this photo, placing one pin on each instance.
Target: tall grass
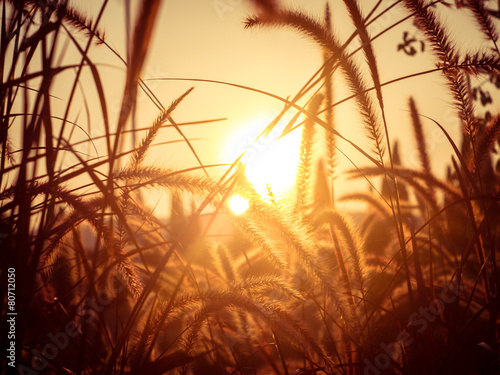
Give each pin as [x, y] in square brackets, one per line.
[103, 286]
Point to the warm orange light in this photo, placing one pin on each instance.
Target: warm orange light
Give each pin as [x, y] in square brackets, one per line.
[268, 160]
[238, 204]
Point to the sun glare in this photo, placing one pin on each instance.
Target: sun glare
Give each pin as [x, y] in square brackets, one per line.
[238, 204]
[268, 161]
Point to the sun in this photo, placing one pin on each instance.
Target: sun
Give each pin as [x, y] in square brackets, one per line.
[238, 204]
[270, 162]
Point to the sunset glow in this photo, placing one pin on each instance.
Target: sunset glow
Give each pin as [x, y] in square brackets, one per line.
[238, 204]
[250, 186]
[269, 160]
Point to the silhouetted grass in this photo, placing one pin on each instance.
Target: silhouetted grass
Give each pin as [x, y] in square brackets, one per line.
[104, 286]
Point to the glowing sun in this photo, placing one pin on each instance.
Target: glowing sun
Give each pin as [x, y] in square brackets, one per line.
[238, 204]
[268, 161]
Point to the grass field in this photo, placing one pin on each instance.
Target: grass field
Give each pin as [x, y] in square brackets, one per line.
[240, 279]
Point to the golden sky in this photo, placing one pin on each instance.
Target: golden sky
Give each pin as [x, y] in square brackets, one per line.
[205, 39]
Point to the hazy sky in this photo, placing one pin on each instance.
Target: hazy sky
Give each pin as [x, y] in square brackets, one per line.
[205, 39]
